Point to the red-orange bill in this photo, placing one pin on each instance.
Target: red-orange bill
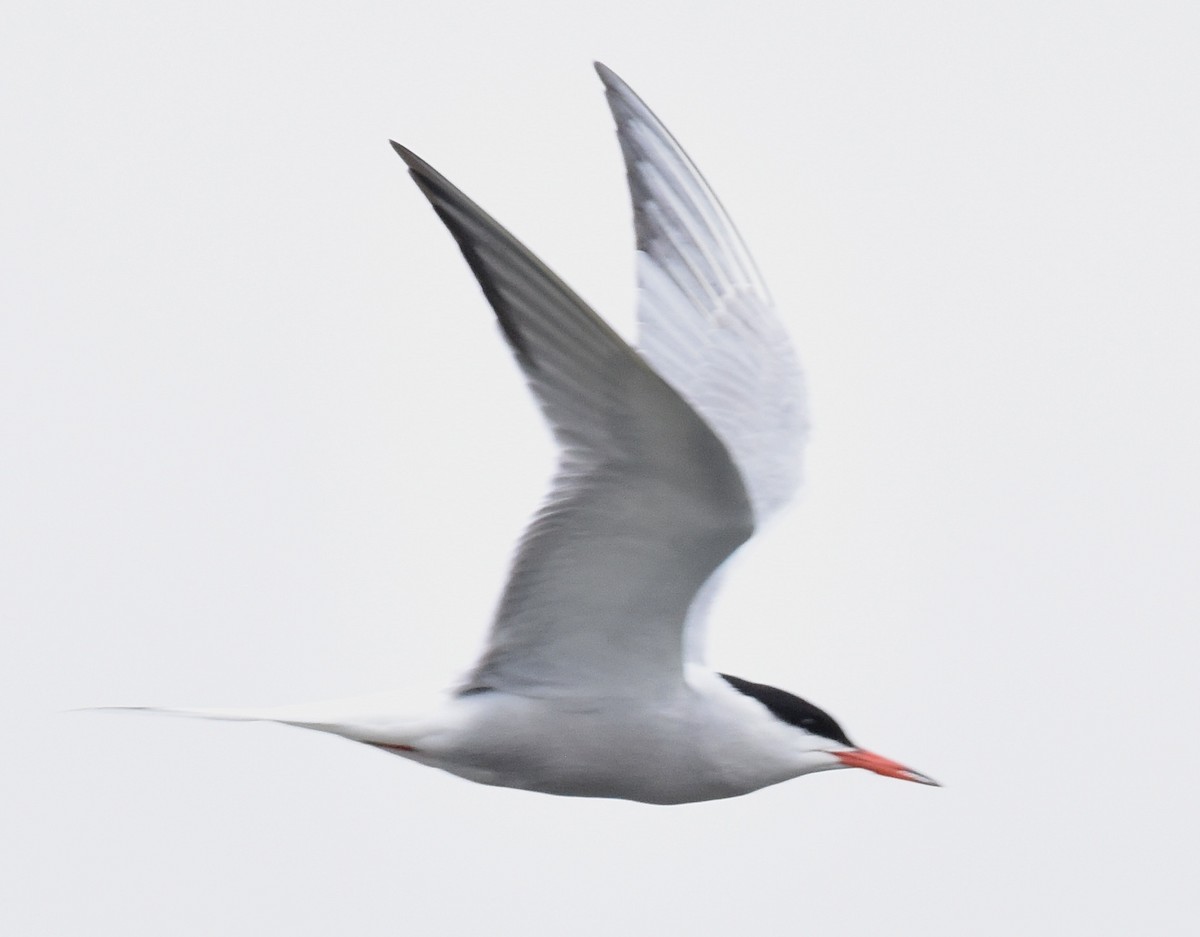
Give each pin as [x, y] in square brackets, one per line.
[857, 758]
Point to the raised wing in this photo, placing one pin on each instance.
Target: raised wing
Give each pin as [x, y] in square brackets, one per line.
[706, 322]
[645, 505]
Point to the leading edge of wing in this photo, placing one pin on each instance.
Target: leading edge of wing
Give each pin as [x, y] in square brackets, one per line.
[646, 502]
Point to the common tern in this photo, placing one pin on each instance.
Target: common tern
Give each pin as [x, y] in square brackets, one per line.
[593, 681]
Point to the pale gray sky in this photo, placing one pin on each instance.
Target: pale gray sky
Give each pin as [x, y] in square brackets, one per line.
[262, 443]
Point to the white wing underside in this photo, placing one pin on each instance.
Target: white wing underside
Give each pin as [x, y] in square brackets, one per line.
[706, 321]
[669, 458]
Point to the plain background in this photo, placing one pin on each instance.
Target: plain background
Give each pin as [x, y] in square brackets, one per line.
[262, 444]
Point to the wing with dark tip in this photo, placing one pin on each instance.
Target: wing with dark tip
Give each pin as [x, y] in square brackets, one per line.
[705, 320]
[645, 505]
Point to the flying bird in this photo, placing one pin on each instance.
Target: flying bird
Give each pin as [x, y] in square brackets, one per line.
[672, 454]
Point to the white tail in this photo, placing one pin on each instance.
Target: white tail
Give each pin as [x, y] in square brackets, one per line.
[370, 719]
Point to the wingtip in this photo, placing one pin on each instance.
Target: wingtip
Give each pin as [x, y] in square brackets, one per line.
[424, 174]
[622, 99]
[610, 78]
[411, 158]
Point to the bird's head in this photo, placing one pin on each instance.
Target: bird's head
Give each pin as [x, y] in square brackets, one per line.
[823, 742]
